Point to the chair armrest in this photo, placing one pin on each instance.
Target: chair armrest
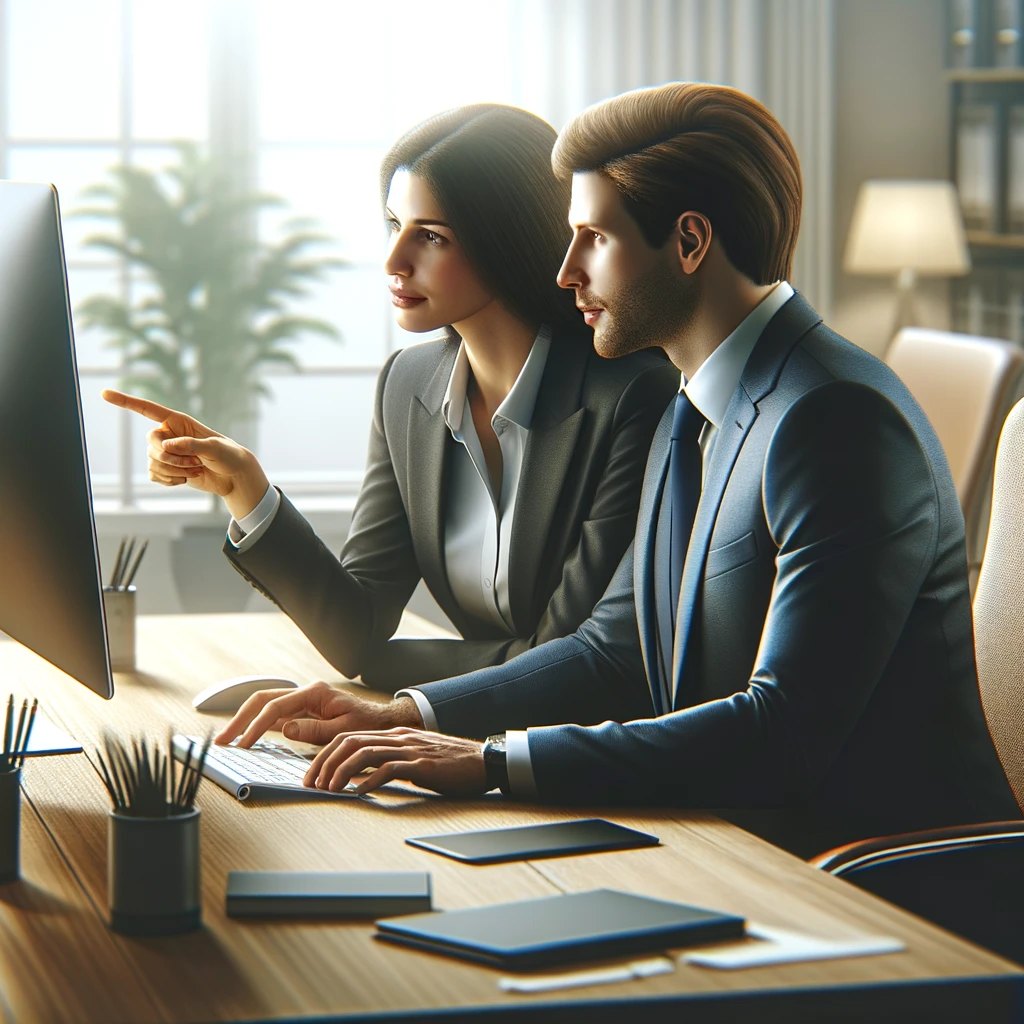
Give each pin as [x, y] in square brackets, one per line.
[864, 851]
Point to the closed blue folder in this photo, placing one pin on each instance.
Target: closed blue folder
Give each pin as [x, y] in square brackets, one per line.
[595, 924]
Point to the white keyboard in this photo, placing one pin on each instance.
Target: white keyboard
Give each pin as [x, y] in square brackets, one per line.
[265, 770]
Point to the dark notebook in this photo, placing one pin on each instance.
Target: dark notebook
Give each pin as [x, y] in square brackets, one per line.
[558, 929]
[528, 842]
[327, 893]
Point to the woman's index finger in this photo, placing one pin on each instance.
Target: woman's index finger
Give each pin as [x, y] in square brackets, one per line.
[143, 406]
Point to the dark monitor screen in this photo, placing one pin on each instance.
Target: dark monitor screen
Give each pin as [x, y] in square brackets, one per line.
[50, 588]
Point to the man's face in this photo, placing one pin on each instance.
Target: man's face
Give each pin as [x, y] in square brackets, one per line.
[632, 295]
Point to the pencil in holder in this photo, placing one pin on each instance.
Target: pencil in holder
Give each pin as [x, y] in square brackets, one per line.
[153, 835]
[10, 824]
[153, 874]
[119, 606]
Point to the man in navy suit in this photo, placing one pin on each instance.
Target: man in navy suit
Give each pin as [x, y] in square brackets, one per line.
[789, 640]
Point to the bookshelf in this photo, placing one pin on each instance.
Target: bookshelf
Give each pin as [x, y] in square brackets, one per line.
[985, 76]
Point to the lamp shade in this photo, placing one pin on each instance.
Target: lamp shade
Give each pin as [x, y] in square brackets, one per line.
[907, 225]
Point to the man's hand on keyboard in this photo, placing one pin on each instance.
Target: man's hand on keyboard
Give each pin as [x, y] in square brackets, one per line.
[446, 764]
[315, 714]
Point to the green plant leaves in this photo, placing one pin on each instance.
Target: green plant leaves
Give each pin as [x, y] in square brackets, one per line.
[213, 312]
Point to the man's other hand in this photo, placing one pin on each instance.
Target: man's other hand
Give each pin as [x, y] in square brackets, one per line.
[445, 764]
[315, 714]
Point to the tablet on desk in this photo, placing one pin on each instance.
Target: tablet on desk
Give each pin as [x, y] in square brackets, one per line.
[551, 930]
[529, 842]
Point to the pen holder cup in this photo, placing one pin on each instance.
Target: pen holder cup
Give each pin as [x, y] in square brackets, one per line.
[119, 606]
[153, 874]
[10, 825]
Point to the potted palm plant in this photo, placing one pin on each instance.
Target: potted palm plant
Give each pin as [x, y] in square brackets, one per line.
[208, 311]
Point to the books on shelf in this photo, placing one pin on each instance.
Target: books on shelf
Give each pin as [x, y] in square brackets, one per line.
[1006, 34]
[965, 34]
[985, 33]
[990, 302]
[1015, 171]
[977, 164]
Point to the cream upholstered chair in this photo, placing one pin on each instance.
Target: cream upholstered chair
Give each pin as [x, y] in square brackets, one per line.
[965, 384]
[968, 878]
[999, 606]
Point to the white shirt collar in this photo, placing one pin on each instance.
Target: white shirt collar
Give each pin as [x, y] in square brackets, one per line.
[518, 405]
[711, 388]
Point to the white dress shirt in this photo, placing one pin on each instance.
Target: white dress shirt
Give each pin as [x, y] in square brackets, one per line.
[478, 522]
[710, 390]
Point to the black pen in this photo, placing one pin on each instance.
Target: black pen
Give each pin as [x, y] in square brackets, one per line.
[28, 732]
[7, 731]
[21, 729]
[116, 571]
[135, 565]
[124, 568]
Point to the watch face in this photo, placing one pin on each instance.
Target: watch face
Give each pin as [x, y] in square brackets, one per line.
[497, 743]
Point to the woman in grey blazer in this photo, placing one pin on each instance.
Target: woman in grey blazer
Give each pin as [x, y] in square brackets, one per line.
[505, 459]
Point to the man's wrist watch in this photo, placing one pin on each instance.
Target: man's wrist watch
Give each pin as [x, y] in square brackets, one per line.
[496, 763]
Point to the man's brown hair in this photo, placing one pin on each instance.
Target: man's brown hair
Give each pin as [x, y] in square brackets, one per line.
[690, 146]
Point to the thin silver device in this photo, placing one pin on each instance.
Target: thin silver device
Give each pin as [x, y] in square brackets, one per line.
[51, 596]
[264, 771]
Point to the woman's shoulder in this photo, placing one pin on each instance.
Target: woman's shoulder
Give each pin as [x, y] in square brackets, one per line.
[413, 360]
[410, 370]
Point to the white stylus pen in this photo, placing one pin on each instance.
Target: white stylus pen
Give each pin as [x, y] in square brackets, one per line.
[628, 972]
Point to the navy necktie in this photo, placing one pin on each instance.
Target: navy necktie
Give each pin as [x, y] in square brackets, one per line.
[684, 484]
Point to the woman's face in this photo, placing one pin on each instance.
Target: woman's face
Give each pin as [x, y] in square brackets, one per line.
[432, 283]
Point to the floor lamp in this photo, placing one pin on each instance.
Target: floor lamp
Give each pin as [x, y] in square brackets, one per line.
[907, 229]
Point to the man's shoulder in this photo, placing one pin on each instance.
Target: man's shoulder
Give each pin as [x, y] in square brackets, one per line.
[822, 356]
[651, 368]
[826, 369]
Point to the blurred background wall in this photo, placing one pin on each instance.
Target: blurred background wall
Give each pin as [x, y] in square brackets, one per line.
[300, 98]
[891, 121]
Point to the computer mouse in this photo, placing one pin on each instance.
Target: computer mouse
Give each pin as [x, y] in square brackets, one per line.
[230, 694]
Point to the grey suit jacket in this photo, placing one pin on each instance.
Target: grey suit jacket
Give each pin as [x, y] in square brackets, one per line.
[823, 677]
[575, 515]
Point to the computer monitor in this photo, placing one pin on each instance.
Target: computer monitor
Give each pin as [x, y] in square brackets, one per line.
[51, 593]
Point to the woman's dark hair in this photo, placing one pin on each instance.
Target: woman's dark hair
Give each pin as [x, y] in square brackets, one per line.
[489, 168]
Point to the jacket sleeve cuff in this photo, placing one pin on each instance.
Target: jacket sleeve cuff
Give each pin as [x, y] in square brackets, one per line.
[243, 533]
[423, 706]
[520, 771]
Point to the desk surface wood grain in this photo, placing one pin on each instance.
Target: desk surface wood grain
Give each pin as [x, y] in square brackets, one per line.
[247, 969]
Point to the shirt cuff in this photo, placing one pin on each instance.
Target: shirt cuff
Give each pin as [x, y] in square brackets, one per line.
[521, 785]
[423, 706]
[244, 532]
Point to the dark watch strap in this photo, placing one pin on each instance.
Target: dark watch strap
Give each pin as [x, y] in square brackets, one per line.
[496, 763]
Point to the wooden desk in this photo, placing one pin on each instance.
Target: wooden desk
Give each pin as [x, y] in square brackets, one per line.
[60, 962]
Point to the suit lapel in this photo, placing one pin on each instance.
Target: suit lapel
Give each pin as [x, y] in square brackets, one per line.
[428, 444]
[644, 564]
[550, 446]
[759, 377]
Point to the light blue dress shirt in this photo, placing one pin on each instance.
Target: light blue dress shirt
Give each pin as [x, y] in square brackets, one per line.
[710, 390]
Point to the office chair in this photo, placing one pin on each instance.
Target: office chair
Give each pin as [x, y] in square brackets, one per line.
[966, 385]
[970, 878]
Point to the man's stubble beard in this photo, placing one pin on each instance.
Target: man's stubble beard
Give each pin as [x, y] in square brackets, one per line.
[649, 312]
